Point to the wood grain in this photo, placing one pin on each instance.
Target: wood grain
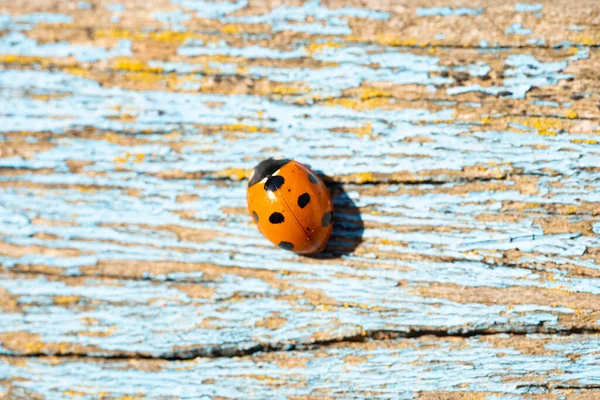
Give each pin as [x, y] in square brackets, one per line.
[496, 366]
[459, 141]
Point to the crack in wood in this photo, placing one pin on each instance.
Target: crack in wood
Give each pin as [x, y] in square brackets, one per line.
[375, 335]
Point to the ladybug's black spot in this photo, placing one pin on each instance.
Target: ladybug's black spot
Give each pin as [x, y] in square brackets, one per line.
[276, 218]
[266, 168]
[255, 216]
[327, 219]
[286, 245]
[303, 200]
[274, 183]
[312, 178]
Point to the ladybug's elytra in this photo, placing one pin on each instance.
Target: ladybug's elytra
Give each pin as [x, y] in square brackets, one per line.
[291, 205]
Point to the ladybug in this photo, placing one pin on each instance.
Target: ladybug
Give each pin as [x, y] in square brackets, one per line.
[290, 205]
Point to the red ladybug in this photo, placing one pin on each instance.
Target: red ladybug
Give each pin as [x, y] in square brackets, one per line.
[290, 205]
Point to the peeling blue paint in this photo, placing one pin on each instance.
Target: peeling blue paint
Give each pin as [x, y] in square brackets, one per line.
[544, 103]
[524, 72]
[329, 22]
[440, 229]
[19, 44]
[517, 29]
[115, 7]
[211, 9]
[536, 42]
[401, 371]
[46, 18]
[25, 22]
[527, 7]
[447, 11]
[172, 20]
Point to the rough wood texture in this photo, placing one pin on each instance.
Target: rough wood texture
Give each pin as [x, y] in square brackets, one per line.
[460, 143]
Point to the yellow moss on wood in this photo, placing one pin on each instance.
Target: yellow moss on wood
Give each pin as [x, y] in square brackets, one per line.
[236, 174]
[584, 141]
[545, 126]
[66, 300]
[363, 177]
[132, 65]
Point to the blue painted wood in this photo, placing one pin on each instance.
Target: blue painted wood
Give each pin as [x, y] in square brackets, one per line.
[492, 367]
[461, 155]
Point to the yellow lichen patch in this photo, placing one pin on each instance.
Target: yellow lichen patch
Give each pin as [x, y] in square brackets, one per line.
[161, 36]
[587, 40]
[33, 347]
[357, 104]
[240, 128]
[485, 120]
[283, 90]
[150, 78]
[584, 141]
[111, 329]
[112, 137]
[48, 97]
[129, 157]
[66, 300]
[132, 65]
[539, 146]
[123, 118]
[90, 321]
[314, 48]
[396, 41]
[571, 114]
[545, 126]
[78, 72]
[218, 58]
[72, 393]
[388, 40]
[569, 210]
[115, 33]
[363, 177]
[365, 130]
[22, 60]
[370, 93]
[229, 28]
[235, 174]
[172, 36]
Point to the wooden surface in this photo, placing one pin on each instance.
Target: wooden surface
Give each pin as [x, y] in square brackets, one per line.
[460, 141]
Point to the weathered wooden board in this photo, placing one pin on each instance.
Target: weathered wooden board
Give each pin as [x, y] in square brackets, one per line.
[460, 143]
[496, 367]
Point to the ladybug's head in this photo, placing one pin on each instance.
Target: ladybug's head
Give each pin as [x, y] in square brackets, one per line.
[266, 168]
